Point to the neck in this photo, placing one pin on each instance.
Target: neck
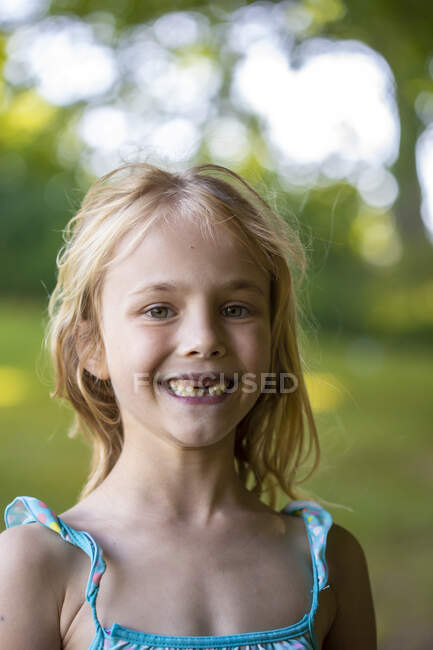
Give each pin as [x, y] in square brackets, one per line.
[156, 479]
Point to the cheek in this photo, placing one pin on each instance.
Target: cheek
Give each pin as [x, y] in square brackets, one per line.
[255, 346]
[148, 348]
[133, 351]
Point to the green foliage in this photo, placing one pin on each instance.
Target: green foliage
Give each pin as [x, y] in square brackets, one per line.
[41, 180]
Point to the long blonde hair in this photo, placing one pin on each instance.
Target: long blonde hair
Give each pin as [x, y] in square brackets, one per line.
[272, 441]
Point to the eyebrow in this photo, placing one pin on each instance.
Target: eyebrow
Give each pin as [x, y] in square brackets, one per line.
[234, 285]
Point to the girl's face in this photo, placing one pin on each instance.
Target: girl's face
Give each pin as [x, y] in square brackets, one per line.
[172, 308]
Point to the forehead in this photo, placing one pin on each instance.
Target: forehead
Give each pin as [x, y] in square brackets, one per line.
[182, 248]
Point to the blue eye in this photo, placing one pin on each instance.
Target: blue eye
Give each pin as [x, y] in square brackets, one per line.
[237, 307]
[157, 308]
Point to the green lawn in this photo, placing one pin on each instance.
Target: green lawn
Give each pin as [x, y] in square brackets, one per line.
[376, 454]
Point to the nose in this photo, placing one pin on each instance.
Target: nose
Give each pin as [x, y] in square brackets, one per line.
[200, 337]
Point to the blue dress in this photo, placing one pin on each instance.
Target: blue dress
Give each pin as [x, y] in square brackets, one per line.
[299, 636]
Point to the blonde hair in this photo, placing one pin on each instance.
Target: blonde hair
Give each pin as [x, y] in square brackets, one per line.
[272, 441]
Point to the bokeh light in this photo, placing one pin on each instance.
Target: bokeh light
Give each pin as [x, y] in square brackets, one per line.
[53, 54]
[14, 386]
[324, 390]
[424, 162]
[336, 102]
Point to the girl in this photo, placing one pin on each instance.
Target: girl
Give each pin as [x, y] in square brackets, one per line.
[173, 334]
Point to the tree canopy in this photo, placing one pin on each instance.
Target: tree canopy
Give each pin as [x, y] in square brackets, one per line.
[187, 76]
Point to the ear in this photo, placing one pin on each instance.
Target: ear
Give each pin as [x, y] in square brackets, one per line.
[91, 355]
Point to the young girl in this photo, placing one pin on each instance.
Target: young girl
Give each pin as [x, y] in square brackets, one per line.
[173, 335]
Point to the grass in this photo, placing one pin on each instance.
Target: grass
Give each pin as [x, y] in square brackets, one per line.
[376, 452]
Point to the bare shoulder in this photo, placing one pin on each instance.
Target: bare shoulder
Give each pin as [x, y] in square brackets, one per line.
[343, 546]
[33, 570]
[36, 547]
[28, 547]
[354, 624]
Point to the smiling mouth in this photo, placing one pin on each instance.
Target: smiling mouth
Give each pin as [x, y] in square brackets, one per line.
[191, 388]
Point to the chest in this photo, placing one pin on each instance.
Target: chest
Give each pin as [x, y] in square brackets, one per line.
[186, 585]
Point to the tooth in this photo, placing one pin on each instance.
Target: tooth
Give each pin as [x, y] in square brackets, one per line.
[184, 388]
[187, 391]
[218, 389]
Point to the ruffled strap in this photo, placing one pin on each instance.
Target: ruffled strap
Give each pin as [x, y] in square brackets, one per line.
[25, 510]
[318, 521]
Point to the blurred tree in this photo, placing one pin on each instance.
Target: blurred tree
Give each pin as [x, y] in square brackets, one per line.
[402, 34]
[41, 179]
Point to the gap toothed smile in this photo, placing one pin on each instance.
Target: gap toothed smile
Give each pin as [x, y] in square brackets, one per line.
[197, 389]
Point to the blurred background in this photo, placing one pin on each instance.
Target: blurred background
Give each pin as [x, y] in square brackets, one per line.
[326, 107]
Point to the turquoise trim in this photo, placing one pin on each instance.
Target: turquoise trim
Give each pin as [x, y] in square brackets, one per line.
[313, 638]
[98, 640]
[5, 516]
[304, 626]
[298, 505]
[85, 541]
[248, 638]
[87, 544]
[315, 589]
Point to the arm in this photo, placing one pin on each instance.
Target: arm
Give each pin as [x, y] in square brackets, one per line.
[354, 625]
[30, 589]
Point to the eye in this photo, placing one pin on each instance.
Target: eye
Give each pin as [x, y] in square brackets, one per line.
[235, 307]
[158, 309]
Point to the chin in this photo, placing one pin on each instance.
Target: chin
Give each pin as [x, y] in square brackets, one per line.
[198, 440]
